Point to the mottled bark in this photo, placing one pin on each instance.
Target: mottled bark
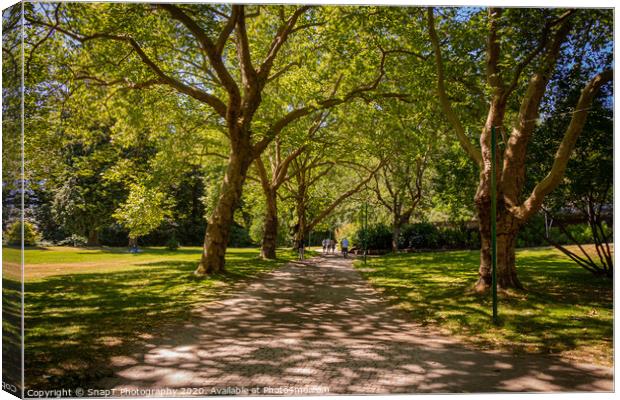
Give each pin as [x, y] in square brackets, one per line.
[270, 229]
[395, 235]
[512, 213]
[507, 230]
[220, 222]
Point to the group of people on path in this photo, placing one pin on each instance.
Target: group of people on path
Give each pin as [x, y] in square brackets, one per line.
[329, 245]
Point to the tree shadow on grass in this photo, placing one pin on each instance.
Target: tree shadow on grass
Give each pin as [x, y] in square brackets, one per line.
[11, 334]
[301, 326]
[75, 323]
[309, 327]
[563, 307]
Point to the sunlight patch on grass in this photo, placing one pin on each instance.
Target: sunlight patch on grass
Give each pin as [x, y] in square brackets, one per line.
[77, 309]
[564, 308]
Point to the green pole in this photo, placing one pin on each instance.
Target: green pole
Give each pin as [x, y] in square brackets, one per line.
[493, 225]
[365, 230]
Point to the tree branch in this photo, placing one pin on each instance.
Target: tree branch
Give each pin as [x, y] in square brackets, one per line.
[554, 177]
[330, 102]
[204, 97]
[493, 50]
[248, 74]
[454, 120]
[278, 41]
[213, 51]
[343, 197]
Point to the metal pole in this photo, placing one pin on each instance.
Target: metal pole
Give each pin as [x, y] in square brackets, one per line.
[365, 230]
[493, 225]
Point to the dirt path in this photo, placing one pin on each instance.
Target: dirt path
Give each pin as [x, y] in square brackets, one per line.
[317, 326]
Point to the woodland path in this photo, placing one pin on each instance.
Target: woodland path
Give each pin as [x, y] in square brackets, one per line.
[317, 326]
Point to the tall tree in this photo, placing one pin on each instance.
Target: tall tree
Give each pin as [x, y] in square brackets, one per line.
[536, 39]
[221, 56]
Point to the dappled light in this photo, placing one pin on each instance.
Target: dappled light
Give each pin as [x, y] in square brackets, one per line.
[320, 325]
[93, 315]
[564, 309]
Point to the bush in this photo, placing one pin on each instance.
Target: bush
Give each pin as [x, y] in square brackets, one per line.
[532, 234]
[14, 234]
[239, 237]
[378, 236]
[424, 235]
[460, 237]
[73, 241]
[419, 236]
[172, 243]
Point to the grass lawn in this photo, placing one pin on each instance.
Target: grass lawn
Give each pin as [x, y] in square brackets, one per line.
[564, 309]
[84, 306]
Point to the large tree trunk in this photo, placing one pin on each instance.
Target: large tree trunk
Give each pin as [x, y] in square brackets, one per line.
[93, 238]
[506, 225]
[270, 229]
[220, 222]
[507, 229]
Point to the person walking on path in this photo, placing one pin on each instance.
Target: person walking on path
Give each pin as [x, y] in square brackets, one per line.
[332, 245]
[325, 244]
[344, 245]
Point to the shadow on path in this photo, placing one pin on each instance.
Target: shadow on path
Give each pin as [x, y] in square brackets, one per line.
[318, 325]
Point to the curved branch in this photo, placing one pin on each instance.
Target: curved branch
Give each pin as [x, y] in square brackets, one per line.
[213, 50]
[446, 105]
[278, 41]
[555, 175]
[164, 78]
[343, 197]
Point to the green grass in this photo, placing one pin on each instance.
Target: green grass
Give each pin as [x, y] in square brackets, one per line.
[81, 315]
[564, 309]
[63, 255]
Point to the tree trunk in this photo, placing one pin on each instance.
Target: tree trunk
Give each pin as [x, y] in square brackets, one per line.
[302, 223]
[93, 238]
[270, 229]
[300, 233]
[395, 234]
[220, 222]
[507, 230]
[399, 221]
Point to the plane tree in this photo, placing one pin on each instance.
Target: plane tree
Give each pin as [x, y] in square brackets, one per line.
[226, 58]
[523, 48]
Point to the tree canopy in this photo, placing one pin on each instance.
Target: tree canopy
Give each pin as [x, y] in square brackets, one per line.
[263, 123]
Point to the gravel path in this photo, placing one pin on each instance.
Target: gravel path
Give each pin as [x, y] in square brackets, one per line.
[317, 327]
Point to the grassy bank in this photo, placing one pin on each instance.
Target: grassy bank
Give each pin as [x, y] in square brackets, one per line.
[564, 309]
[85, 306]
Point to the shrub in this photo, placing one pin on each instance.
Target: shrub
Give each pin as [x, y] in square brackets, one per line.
[421, 235]
[425, 235]
[239, 237]
[378, 236]
[172, 243]
[532, 234]
[74, 241]
[14, 234]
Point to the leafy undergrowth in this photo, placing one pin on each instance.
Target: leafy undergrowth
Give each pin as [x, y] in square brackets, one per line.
[79, 317]
[563, 309]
